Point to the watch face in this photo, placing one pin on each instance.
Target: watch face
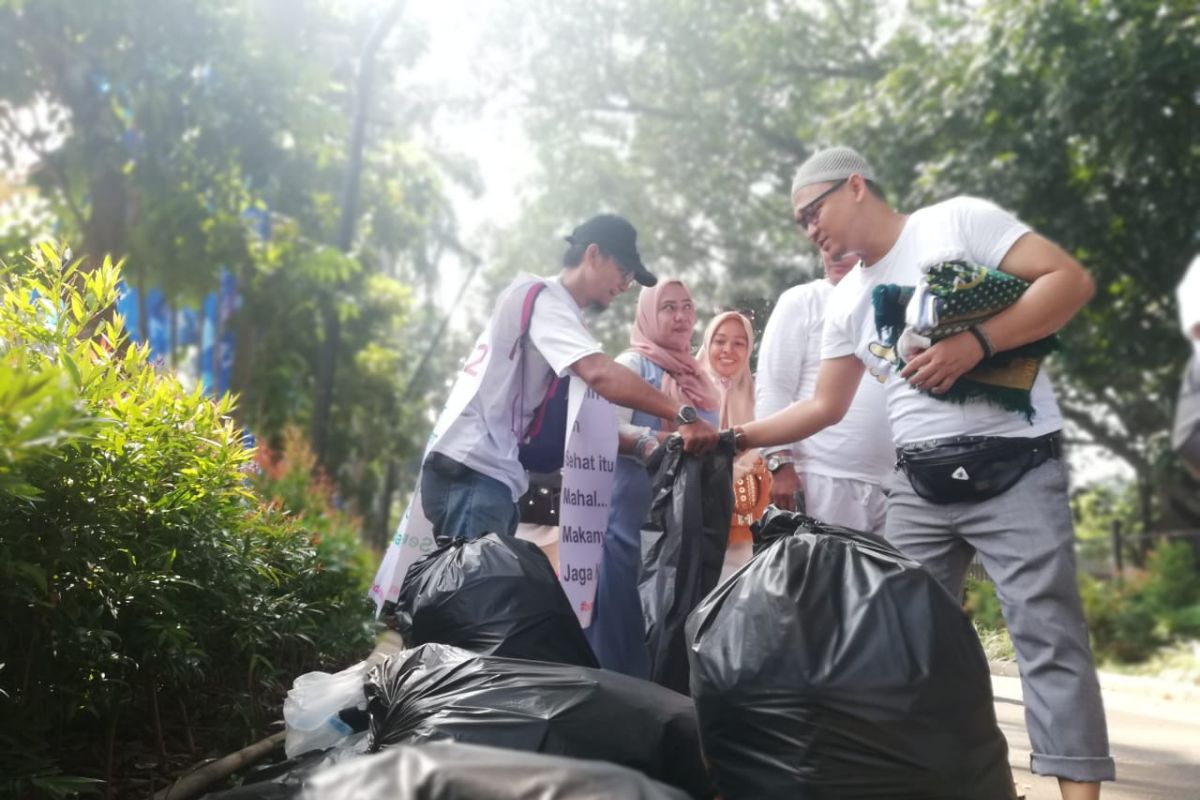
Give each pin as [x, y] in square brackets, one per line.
[686, 415]
[772, 463]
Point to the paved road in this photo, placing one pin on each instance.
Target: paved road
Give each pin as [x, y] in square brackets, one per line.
[1154, 735]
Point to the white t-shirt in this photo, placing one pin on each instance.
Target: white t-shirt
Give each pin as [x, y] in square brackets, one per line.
[961, 228]
[860, 446]
[1189, 302]
[486, 435]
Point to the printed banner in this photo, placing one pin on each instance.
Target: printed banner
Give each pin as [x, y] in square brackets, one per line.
[589, 464]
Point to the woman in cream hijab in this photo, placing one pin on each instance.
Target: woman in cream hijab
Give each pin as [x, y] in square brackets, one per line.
[725, 356]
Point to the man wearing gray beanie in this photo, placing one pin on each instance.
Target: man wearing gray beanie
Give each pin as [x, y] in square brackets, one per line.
[939, 511]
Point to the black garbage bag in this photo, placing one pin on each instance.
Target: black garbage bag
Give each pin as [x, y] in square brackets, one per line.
[439, 693]
[495, 595]
[683, 548]
[832, 666]
[447, 771]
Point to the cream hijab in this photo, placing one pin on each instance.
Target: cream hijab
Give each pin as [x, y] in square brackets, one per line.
[737, 391]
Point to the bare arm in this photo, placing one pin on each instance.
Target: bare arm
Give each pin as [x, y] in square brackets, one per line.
[623, 387]
[837, 383]
[1059, 287]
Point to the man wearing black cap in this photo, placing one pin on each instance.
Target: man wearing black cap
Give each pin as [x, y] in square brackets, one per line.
[472, 477]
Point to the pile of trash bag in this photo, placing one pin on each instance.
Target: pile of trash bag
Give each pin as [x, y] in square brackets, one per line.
[286, 779]
[683, 548]
[441, 693]
[833, 666]
[830, 666]
[495, 595]
[449, 771]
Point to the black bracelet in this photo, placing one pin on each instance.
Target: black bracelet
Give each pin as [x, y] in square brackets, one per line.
[984, 342]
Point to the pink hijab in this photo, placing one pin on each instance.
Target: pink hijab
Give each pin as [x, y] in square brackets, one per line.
[737, 393]
[685, 378]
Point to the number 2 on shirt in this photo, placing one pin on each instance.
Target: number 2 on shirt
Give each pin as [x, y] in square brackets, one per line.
[474, 362]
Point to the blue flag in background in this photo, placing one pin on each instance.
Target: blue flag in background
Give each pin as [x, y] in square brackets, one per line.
[227, 305]
[187, 327]
[127, 307]
[158, 325]
[208, 339]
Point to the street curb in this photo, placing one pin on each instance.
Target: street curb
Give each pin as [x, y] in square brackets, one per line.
[1112, 681]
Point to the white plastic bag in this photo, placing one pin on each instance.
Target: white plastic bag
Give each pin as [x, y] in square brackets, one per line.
[312, 706]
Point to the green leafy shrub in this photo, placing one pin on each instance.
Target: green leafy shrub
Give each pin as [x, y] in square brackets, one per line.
[1172, 587]
[148, 597]
[1122, 625]
[1132, 617]
[983, 606]
[1128, 619]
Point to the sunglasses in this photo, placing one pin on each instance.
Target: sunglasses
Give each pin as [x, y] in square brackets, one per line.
[807, 215]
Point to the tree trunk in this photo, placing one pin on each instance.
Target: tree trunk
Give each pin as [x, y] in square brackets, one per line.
[245, 344]
[107, 232]
[1146, 513]
[331, 342]
[383, 525]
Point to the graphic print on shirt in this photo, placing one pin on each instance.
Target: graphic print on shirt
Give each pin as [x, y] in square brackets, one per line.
[886, 354]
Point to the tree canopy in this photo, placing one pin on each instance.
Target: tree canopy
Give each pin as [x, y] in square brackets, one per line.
[1080, 116]
[186, 138]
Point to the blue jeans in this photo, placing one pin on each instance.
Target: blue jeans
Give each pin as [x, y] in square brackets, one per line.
[465, 504]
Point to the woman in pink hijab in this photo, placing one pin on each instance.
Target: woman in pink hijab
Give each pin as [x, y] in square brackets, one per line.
[725, 355]
[661, 353]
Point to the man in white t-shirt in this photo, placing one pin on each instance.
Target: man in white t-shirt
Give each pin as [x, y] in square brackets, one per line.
[1185, 434]
[1188, 294]
[472, 477]
[839, 471]
[1024, 535]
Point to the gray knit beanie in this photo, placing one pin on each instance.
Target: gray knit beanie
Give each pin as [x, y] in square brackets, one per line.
[831, 164]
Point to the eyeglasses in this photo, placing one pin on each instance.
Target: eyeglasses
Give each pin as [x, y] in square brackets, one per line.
[627, 275]
[807, 215]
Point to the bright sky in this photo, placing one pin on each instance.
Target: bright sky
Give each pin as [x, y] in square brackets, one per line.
[492, 138]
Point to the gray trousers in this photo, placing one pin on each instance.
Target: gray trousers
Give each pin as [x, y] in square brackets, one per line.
[1025, 539]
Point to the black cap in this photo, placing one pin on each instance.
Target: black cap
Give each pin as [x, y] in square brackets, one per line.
[616, 237]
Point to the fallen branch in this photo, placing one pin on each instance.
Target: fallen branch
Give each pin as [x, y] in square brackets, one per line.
[198, 781]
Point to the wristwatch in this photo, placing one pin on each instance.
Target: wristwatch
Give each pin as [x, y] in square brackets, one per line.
[686, 415]
[777, 460]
